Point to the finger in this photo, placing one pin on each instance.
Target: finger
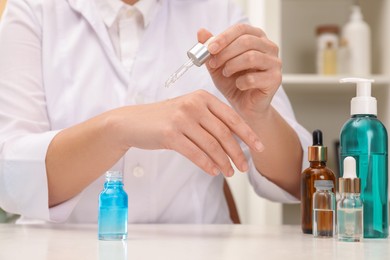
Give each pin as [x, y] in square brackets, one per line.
[262, 80]
[242, 45]
[236, 124]
[208, 143]
[226, 139]
[203, 35]
[186, 147]
[251, 60]
[227, 37]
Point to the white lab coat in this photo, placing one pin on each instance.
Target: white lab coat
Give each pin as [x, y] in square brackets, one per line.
[58, 68]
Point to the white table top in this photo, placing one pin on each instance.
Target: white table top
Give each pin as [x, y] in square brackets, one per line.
[180, 242]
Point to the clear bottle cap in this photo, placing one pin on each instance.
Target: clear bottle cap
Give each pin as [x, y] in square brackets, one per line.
[114, 176]
[325, 184]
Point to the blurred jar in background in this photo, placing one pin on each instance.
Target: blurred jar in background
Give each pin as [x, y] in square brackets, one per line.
[327, 46]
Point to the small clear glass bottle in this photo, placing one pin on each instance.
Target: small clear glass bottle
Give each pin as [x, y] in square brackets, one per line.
[113, 206]
[350, 206]
[324, 206]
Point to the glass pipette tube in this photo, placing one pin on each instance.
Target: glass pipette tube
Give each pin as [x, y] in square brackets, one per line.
[180, 72]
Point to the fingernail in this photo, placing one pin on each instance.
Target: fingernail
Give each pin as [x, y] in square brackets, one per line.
[212, 63]
[259, 146]
[225, 73]
[213, 47]
[230, 173]
[215, 171]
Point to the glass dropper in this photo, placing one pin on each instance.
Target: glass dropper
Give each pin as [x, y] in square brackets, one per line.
[197, 55]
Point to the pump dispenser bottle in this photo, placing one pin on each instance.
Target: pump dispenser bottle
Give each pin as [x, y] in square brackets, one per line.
[316, 171]
[364, 137]
[350, 206]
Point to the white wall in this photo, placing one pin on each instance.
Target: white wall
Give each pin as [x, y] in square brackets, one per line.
[254, 9]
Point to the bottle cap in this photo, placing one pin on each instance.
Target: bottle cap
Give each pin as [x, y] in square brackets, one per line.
[317, 152]
[114, 175]
[199, 53]
[350, 183]
[327, 184]
[363, 103]
[328, 28]
[356, 14]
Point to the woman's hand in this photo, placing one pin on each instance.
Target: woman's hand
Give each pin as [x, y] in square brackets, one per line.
[245, 67]
[197, 125]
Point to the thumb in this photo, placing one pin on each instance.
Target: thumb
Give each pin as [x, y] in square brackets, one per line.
[204, 35]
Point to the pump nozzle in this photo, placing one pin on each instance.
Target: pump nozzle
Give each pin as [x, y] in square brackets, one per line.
[363, 103]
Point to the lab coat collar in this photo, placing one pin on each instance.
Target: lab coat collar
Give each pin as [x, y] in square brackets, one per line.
[89, 11]
[110, 9]
[148, 8]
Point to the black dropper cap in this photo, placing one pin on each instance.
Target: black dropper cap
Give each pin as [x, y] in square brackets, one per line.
[317, 152]
[317, 137]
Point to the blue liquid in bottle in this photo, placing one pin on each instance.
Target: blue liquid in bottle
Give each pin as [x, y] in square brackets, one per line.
[365, 138]
[113, 206]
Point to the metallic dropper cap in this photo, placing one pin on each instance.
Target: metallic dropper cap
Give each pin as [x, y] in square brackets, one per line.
[349, 185]
[199, 53]
[317, 152]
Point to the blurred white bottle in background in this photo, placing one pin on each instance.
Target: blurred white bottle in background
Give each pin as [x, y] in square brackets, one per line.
[343, 58]
[358, 38]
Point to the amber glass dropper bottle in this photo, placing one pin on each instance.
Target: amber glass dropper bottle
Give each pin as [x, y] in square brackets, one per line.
[317, 171]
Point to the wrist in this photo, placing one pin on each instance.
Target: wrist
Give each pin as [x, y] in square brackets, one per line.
[260, 117]
[113, 129]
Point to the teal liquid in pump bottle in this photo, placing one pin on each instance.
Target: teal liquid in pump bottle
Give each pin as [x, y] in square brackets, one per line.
[364, 137]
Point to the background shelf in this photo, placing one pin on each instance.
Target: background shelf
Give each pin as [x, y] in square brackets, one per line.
[314, 79]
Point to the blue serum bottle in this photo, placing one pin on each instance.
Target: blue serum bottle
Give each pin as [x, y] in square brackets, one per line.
[364, 138]
[113, 206]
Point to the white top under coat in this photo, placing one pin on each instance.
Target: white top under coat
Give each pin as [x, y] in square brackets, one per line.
[58, 67]
[126, 25]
